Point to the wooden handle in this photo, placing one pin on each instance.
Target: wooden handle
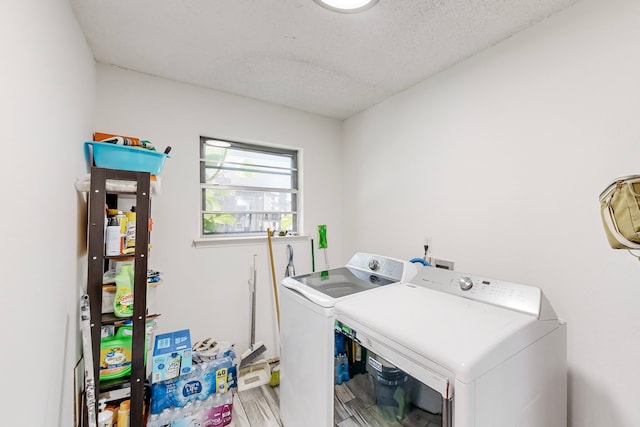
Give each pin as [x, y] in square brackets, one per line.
[273, 275]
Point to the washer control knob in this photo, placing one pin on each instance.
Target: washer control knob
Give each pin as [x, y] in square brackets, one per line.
[465, 283]
[374, 264]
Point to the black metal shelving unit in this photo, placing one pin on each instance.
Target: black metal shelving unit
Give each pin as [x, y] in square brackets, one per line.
[96, 258]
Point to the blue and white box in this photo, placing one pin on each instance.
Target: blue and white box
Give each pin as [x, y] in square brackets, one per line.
[171, 355]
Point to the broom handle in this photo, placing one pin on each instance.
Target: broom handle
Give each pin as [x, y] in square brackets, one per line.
[273, 275]
[253, 304]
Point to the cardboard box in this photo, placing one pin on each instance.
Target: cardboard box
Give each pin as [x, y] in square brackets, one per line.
[100, 136]
[171, 355]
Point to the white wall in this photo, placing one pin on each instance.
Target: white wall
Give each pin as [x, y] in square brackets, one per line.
[206, 290]
[500, 160]
[489, 157]
[48, 89]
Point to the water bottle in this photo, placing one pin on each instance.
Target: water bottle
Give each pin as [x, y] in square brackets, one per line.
[341, 368]
[345, 368]
[154, 420]
[338, 369]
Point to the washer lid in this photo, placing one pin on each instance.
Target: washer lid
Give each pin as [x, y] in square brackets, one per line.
[325, 287]
[466, 337]
[363, 272]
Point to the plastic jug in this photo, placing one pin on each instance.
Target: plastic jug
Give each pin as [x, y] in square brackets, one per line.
[123, 303]
[115, 354]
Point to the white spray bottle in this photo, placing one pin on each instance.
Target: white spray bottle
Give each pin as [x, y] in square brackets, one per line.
[105, 418]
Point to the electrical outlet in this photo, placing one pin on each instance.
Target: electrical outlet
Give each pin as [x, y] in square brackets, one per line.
[441, 263]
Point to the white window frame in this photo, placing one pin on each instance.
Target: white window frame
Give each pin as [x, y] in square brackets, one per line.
[295, 190]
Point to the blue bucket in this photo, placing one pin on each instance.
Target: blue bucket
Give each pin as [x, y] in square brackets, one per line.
[124, 157]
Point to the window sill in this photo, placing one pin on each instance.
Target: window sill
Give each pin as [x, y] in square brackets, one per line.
[210, 242]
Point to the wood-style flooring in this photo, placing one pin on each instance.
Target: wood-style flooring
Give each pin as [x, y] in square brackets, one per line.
[256, 407]
[259, 407]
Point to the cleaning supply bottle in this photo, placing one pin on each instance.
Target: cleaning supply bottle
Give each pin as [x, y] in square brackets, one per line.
[124, 413]
[122, 221]
[130, 238]
[105, 417]
[115, 354]
[112, 239]
[123, 303]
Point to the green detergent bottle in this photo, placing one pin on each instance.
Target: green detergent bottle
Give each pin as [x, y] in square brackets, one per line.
[116, 351]
[115, 354]
[123, 303]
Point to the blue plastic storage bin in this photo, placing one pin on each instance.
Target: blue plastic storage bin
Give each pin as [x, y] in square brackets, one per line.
[113, 156]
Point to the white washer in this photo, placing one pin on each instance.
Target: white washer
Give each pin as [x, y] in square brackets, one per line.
[494, 352]
[307, 332]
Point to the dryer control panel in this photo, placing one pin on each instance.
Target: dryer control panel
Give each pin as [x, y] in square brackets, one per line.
[514, 296]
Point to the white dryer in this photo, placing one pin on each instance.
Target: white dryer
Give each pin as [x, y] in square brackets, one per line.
[491, 353]
[307, 332]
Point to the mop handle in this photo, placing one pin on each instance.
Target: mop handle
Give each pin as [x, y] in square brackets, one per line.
[313, 258]
[253, 303]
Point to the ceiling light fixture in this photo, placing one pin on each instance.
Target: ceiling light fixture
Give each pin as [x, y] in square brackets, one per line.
[347, 6]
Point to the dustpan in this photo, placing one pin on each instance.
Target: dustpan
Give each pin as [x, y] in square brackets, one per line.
[254, 375]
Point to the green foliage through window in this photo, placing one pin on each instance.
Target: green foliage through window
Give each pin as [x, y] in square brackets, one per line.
[247, 188]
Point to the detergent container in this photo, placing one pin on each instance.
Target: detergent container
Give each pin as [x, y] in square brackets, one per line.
[123, 303]
[115, 354]
[115, 350]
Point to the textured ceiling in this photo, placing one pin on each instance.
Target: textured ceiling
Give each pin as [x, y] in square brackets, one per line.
[295, 53]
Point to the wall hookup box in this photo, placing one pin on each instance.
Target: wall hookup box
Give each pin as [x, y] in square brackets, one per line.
[171, 355]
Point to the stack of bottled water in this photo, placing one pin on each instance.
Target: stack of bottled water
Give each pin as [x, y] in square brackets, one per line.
[202, 398]
[212, 412]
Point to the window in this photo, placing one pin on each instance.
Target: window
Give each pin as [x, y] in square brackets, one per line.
[247, 188]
